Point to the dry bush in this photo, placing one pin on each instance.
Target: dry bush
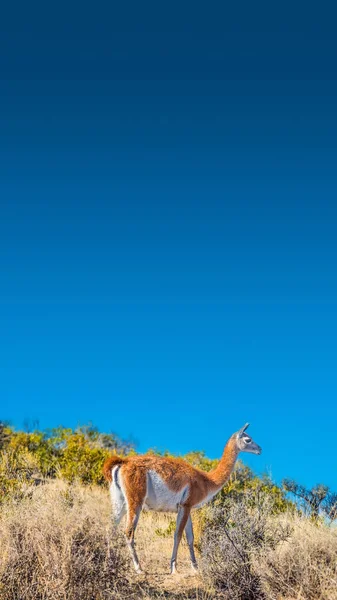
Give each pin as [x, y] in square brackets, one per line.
[250, 554]
[59, 544]
[305, 566]
[234, 536]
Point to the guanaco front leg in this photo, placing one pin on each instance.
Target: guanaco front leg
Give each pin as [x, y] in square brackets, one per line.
[190, 542]
[182, 518]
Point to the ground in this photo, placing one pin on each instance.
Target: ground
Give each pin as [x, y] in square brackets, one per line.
[154, 553]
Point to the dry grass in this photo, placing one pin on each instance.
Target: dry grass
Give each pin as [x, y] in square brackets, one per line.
[305, 566]
[58, 544]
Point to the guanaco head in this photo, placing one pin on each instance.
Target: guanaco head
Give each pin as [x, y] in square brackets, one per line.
[245, 442]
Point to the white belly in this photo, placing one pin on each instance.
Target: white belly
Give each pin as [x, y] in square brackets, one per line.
[160, 497]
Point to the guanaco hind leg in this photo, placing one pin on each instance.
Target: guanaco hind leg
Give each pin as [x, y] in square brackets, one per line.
[134, 488]
[132, 521]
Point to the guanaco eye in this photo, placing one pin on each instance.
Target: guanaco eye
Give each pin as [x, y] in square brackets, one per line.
[248, 440]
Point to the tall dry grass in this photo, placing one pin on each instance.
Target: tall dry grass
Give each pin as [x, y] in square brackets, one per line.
[305, 565]
[57, 543]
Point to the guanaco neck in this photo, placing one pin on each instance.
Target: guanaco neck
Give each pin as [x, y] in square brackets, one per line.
[221, 473]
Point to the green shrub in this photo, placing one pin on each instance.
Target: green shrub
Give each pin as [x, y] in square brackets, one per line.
[62, 452]
[79, 454]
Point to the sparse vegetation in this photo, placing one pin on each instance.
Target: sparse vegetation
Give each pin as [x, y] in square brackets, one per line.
[317, 502]
[256, 540]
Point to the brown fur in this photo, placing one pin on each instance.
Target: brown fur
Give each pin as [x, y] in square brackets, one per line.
[109, 464]
[176, 473]
[221, 473]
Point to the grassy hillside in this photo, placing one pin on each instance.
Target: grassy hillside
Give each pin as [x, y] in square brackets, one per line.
[57, 540]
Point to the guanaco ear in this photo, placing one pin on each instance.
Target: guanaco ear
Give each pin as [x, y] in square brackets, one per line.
[243, 429]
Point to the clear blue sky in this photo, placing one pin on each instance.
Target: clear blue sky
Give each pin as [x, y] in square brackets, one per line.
[168, 227]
